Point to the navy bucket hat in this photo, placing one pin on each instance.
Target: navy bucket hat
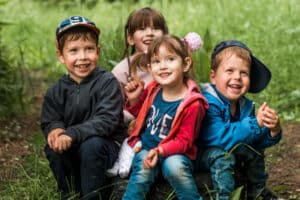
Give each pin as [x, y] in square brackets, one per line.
[73, 21]
[260, 75]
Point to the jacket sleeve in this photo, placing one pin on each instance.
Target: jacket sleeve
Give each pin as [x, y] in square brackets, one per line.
[266, 140]
[107, 114]
[52, 113]
[135, 109]
[226, 134]
[187, 133]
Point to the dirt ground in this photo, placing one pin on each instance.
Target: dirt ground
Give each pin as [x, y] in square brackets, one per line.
[283, 160]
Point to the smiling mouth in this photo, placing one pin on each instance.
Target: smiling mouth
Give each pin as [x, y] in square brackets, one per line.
[164, 75]
[82, 66]
[234, 86]
[147, 42]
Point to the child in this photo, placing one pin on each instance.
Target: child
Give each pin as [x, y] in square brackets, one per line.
[82, 116]
[167, 113]
[142, 27]
[231, 133]
[123, 164]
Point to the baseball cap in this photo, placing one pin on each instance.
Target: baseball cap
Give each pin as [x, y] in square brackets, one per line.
[259, 73]
[73, 21]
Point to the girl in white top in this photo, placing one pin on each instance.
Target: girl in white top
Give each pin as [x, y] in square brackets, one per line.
[142, 27]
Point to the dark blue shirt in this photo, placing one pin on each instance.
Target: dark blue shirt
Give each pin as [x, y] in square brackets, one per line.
[159, 121]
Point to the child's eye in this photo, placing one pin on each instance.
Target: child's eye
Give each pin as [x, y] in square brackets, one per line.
[244, 73]
[229, 71]
[90, 48]
[170, 59]
[73, 50]
[155, 62]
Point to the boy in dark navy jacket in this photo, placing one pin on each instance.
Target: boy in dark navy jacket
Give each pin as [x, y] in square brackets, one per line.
[81, 116]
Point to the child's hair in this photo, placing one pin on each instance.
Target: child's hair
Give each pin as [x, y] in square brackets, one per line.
[171, 43]
[236, 50]
[139, 19]
[75, 33]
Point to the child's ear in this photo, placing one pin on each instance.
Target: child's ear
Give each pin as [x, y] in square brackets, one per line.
[130, 40]
[187, 64]
[212, 76]
[60, 56]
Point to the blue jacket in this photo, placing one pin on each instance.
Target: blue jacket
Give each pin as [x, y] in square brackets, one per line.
[219, 131]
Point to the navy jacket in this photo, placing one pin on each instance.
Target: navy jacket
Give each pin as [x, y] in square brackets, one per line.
[92, 108]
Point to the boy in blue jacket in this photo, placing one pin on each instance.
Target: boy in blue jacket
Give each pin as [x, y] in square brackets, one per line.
[231, 133]
[82, 113]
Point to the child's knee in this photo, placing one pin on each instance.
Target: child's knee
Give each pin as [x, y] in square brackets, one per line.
[177, 165]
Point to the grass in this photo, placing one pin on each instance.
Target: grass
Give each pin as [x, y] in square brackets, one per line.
[33, 178]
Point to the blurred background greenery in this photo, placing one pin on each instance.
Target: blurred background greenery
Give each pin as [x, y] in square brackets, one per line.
[270, 28]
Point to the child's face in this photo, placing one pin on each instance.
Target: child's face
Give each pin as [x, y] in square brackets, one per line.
[232, 77]
[168, 68]
[142, 38]
[80, 57]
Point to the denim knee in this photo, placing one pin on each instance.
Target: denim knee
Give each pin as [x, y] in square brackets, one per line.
[221, 165]
[176, 166]
[177, 169]
[140, 179]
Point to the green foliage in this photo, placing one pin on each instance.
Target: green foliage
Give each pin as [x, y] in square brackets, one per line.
[10, 85]
[270, 28]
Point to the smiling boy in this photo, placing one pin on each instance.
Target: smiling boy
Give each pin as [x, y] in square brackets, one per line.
[231, 132]
[82, 116]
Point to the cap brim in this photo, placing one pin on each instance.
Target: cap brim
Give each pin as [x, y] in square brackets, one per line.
[260, 76]
[89, 26]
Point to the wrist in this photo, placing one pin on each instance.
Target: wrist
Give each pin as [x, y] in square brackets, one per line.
[157, 151]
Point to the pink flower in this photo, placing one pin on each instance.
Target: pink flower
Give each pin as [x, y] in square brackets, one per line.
[193, 40]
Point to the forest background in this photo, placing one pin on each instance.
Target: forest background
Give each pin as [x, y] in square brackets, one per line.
[28, 65]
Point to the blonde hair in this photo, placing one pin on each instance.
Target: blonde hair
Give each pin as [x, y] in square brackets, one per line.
[229, 51]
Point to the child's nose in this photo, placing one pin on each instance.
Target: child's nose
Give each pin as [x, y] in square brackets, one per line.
[149, 30]
[237, 75]
[82, 55]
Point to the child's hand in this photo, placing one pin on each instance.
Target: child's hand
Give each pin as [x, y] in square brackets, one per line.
[269, 118]
[53, 135]
[131, 127]
[62, 143]
[151, 159]
[133, 89]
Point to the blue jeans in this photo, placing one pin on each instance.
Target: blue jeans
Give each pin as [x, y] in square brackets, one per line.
[176, 169]
[221, 165]
[81, 169]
